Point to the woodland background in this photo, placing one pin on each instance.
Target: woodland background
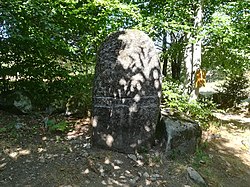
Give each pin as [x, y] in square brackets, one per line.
[48, 48]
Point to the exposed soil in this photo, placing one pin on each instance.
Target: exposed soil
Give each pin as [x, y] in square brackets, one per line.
[32, 155]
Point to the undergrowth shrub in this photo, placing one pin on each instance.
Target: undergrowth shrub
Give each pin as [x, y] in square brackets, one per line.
[175, 99]
[233, 90]
[57, 92]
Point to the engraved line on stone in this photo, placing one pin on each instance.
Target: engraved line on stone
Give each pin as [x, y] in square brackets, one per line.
[144, 97]
[126, 106]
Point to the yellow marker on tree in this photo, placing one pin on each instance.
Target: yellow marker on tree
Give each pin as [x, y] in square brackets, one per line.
[200, 78]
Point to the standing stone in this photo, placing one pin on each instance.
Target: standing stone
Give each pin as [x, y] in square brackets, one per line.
[127, 91]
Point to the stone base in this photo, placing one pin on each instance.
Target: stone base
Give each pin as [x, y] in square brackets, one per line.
[181, 136]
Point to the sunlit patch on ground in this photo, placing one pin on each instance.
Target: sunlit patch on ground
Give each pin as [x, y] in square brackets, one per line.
[16, 152]
[81, 127]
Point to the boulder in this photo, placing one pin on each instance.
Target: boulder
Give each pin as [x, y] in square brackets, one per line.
[181, 136]
[126, 93]
[15, 102]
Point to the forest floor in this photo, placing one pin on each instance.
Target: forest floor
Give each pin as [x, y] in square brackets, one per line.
[31, 155]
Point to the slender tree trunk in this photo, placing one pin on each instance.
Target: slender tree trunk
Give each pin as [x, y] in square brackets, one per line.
[176, 55]
[193, 56]
[175, 69]
[188, 60]
[165, 59]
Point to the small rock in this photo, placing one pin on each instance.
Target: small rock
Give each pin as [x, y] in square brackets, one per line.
[42, 159]
[2, 166]
[118, 162]
[85, 154]
[19, 125]
[87, 145]
[139, 163]
[116, 167]
[139, 157]
[215, 136]
[102, 174]
[202, 162]
[145, 175]
[134, 180]
[196, 177]
[154, 177]
[132, 157]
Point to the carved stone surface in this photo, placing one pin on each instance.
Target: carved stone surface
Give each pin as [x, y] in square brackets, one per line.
[127, 90]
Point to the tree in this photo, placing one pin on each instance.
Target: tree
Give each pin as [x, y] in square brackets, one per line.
[208, 40]
[46, 46]
[227, 37]
[55, 42]
[192, 57]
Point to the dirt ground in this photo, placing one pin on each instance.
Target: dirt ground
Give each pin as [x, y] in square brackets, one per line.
[31, 155]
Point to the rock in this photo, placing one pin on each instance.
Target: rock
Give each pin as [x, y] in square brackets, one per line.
[145, 175]
[19, 125]
[127, 91]
[132, 157]
[119, 162]
[196, 177]
[155, 177]
[15, 102]
[181, 136]
[42, 159]
[134, 180]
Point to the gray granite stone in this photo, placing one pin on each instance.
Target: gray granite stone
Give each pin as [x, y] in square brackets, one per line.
[181, 136]
[127, 91]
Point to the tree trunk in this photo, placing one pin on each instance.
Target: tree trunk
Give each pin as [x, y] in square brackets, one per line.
[193, 56]
[176, 55]
[188, 60]
[165, 58]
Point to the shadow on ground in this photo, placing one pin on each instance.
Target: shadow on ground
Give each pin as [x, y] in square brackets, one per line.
[32, 157]
[228, 162]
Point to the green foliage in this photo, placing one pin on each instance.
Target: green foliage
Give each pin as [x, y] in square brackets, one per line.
[176, 100]
[62, 126]
[200, 156]
[55, 93]
[48, 48]
[12, 130]
[3, 130]
[173, 95]
[233, 90]
[227, 36]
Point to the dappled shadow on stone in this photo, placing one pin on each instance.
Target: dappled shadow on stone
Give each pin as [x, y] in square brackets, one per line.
[127, 90]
